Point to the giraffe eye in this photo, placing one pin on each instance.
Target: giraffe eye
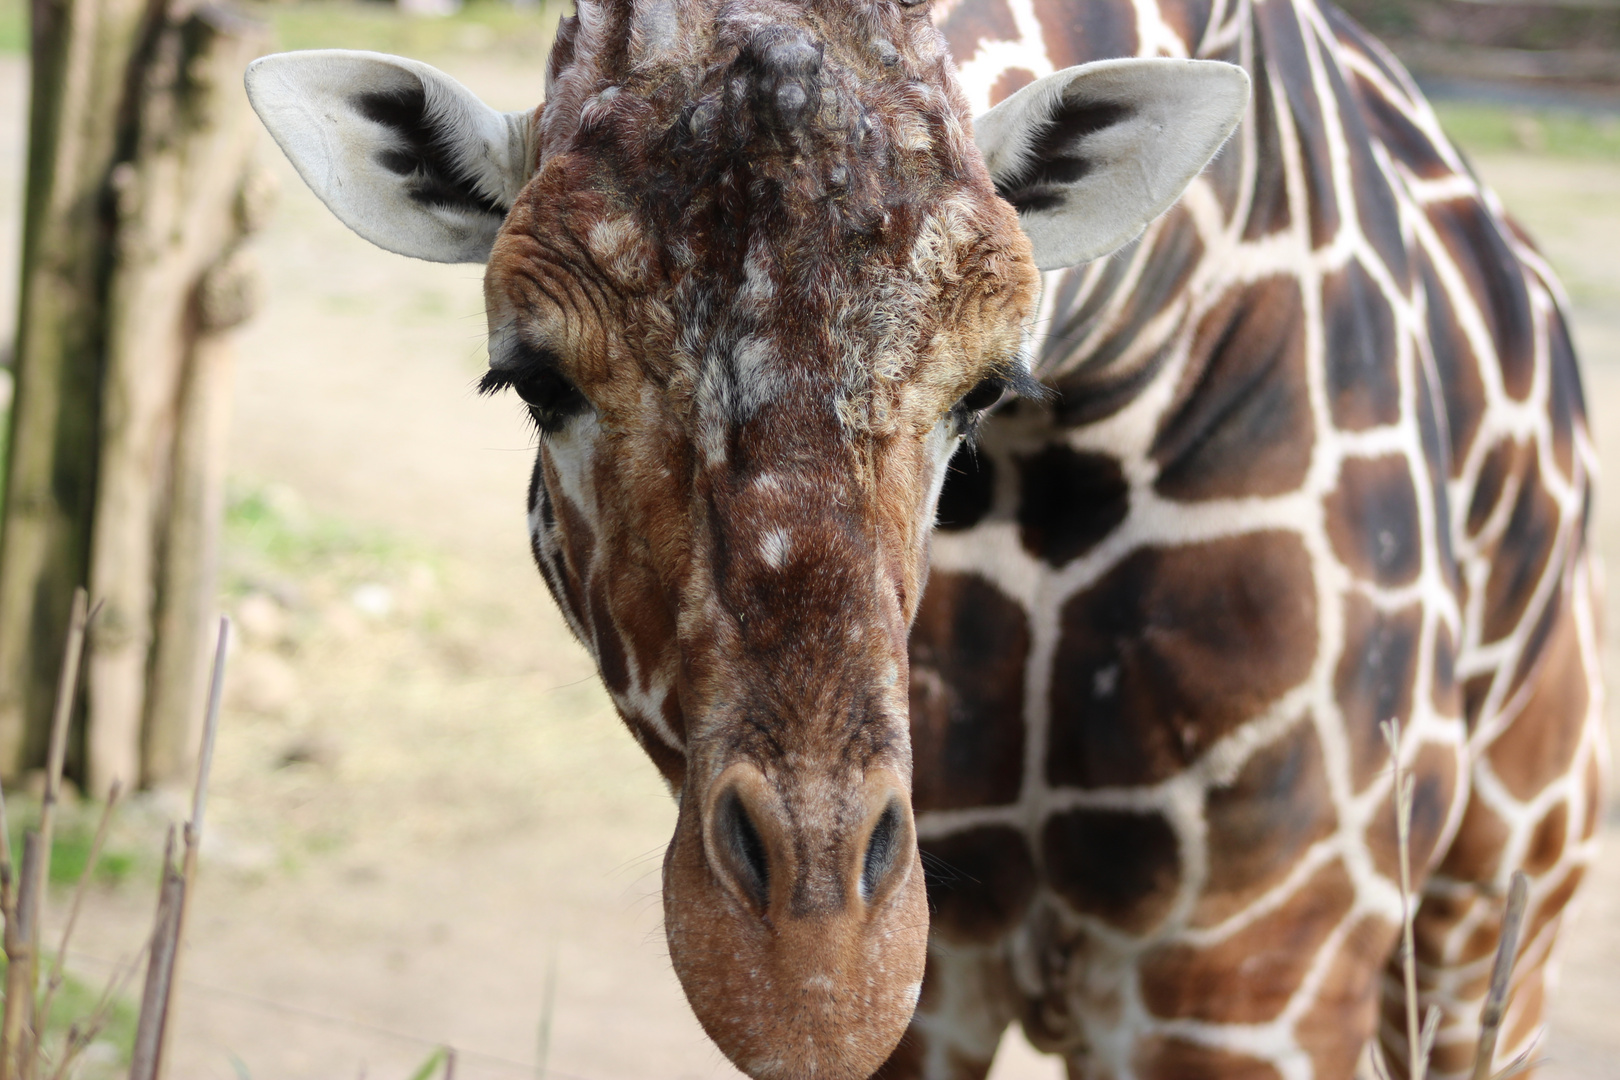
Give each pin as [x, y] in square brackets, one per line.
[551, 396]
[982, 396]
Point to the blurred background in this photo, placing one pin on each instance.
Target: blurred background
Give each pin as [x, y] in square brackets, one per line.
[427, 827]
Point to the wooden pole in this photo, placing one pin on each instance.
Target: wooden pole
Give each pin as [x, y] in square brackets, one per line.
[179, 221]
[189, 548]
[140, 140]
[81, 51]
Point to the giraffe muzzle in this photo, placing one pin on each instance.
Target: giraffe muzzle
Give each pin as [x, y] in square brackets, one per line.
[797, 919]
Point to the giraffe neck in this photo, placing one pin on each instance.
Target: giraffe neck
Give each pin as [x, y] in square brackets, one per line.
[1298, 183]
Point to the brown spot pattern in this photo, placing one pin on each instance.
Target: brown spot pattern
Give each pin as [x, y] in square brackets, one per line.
[1394, 129]
[1547, 843]
[1374, 680]
[1475, 853]
[1345, 1013]
[969, 25]
[1249, 977]
[979, 883]
[969, 646]
[1174, 648]
[1522, 555]
[1502, 460]
[1434, 785]
[1241, 424]
[1495, 283]
[1069, 501]
[1107, 31]
[1285, 54]
[1168, 1058]
[1540, 746]
[1177, 253]
[1269, 209]
[1364, 385]
[1008, 83]
[1119, 866]
[1565, 404]
[1188, 18]
[1262, 823]
[1456, 367]
[1372, 520]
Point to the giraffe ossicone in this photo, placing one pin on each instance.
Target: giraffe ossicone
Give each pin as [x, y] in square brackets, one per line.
[1306, 453]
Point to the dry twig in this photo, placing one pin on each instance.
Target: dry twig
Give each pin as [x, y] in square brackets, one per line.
[54, 982]
[80, 1036]
[24, 908]
[1418, 1058]
[194, 827]
[159, 970]
[66, 689]
[1507, 951]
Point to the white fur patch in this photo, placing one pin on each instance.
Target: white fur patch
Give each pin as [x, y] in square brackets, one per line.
[774, 547]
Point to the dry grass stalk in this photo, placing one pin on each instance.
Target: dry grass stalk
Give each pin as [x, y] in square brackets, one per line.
[80, 1036]
[24, 910]
[144, 1059]
[66, 688]
[1420, 1040]
[53, 982]
[21, 932]
[194, 827]
[1417, 1052]
[1495, 1010]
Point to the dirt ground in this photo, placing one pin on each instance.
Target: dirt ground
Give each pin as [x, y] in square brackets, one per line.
[426, 826]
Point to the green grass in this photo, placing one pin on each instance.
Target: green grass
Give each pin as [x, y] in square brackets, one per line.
[480, 26]
[1492, 129]
[267, 529]
[70, 850]
[13, 26]
[75, 1002]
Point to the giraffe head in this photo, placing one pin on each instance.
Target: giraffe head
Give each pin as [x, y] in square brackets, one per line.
[756, 280]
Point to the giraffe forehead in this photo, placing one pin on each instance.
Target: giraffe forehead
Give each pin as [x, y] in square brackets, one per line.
[743, 302]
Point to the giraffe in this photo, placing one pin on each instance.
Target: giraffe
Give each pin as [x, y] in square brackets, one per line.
[1308, 455]
[1319, 460]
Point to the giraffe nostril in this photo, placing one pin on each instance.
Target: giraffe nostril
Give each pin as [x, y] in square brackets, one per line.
[882, 850]
[742, 847]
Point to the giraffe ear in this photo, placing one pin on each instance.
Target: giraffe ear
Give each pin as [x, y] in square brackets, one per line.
[403, 154]
[1091, 154]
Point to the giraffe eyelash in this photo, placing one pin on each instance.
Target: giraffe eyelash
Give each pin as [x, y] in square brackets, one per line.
[1013, 380]
[551, 397]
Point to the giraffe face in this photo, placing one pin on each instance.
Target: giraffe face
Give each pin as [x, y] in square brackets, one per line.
[755, 296]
